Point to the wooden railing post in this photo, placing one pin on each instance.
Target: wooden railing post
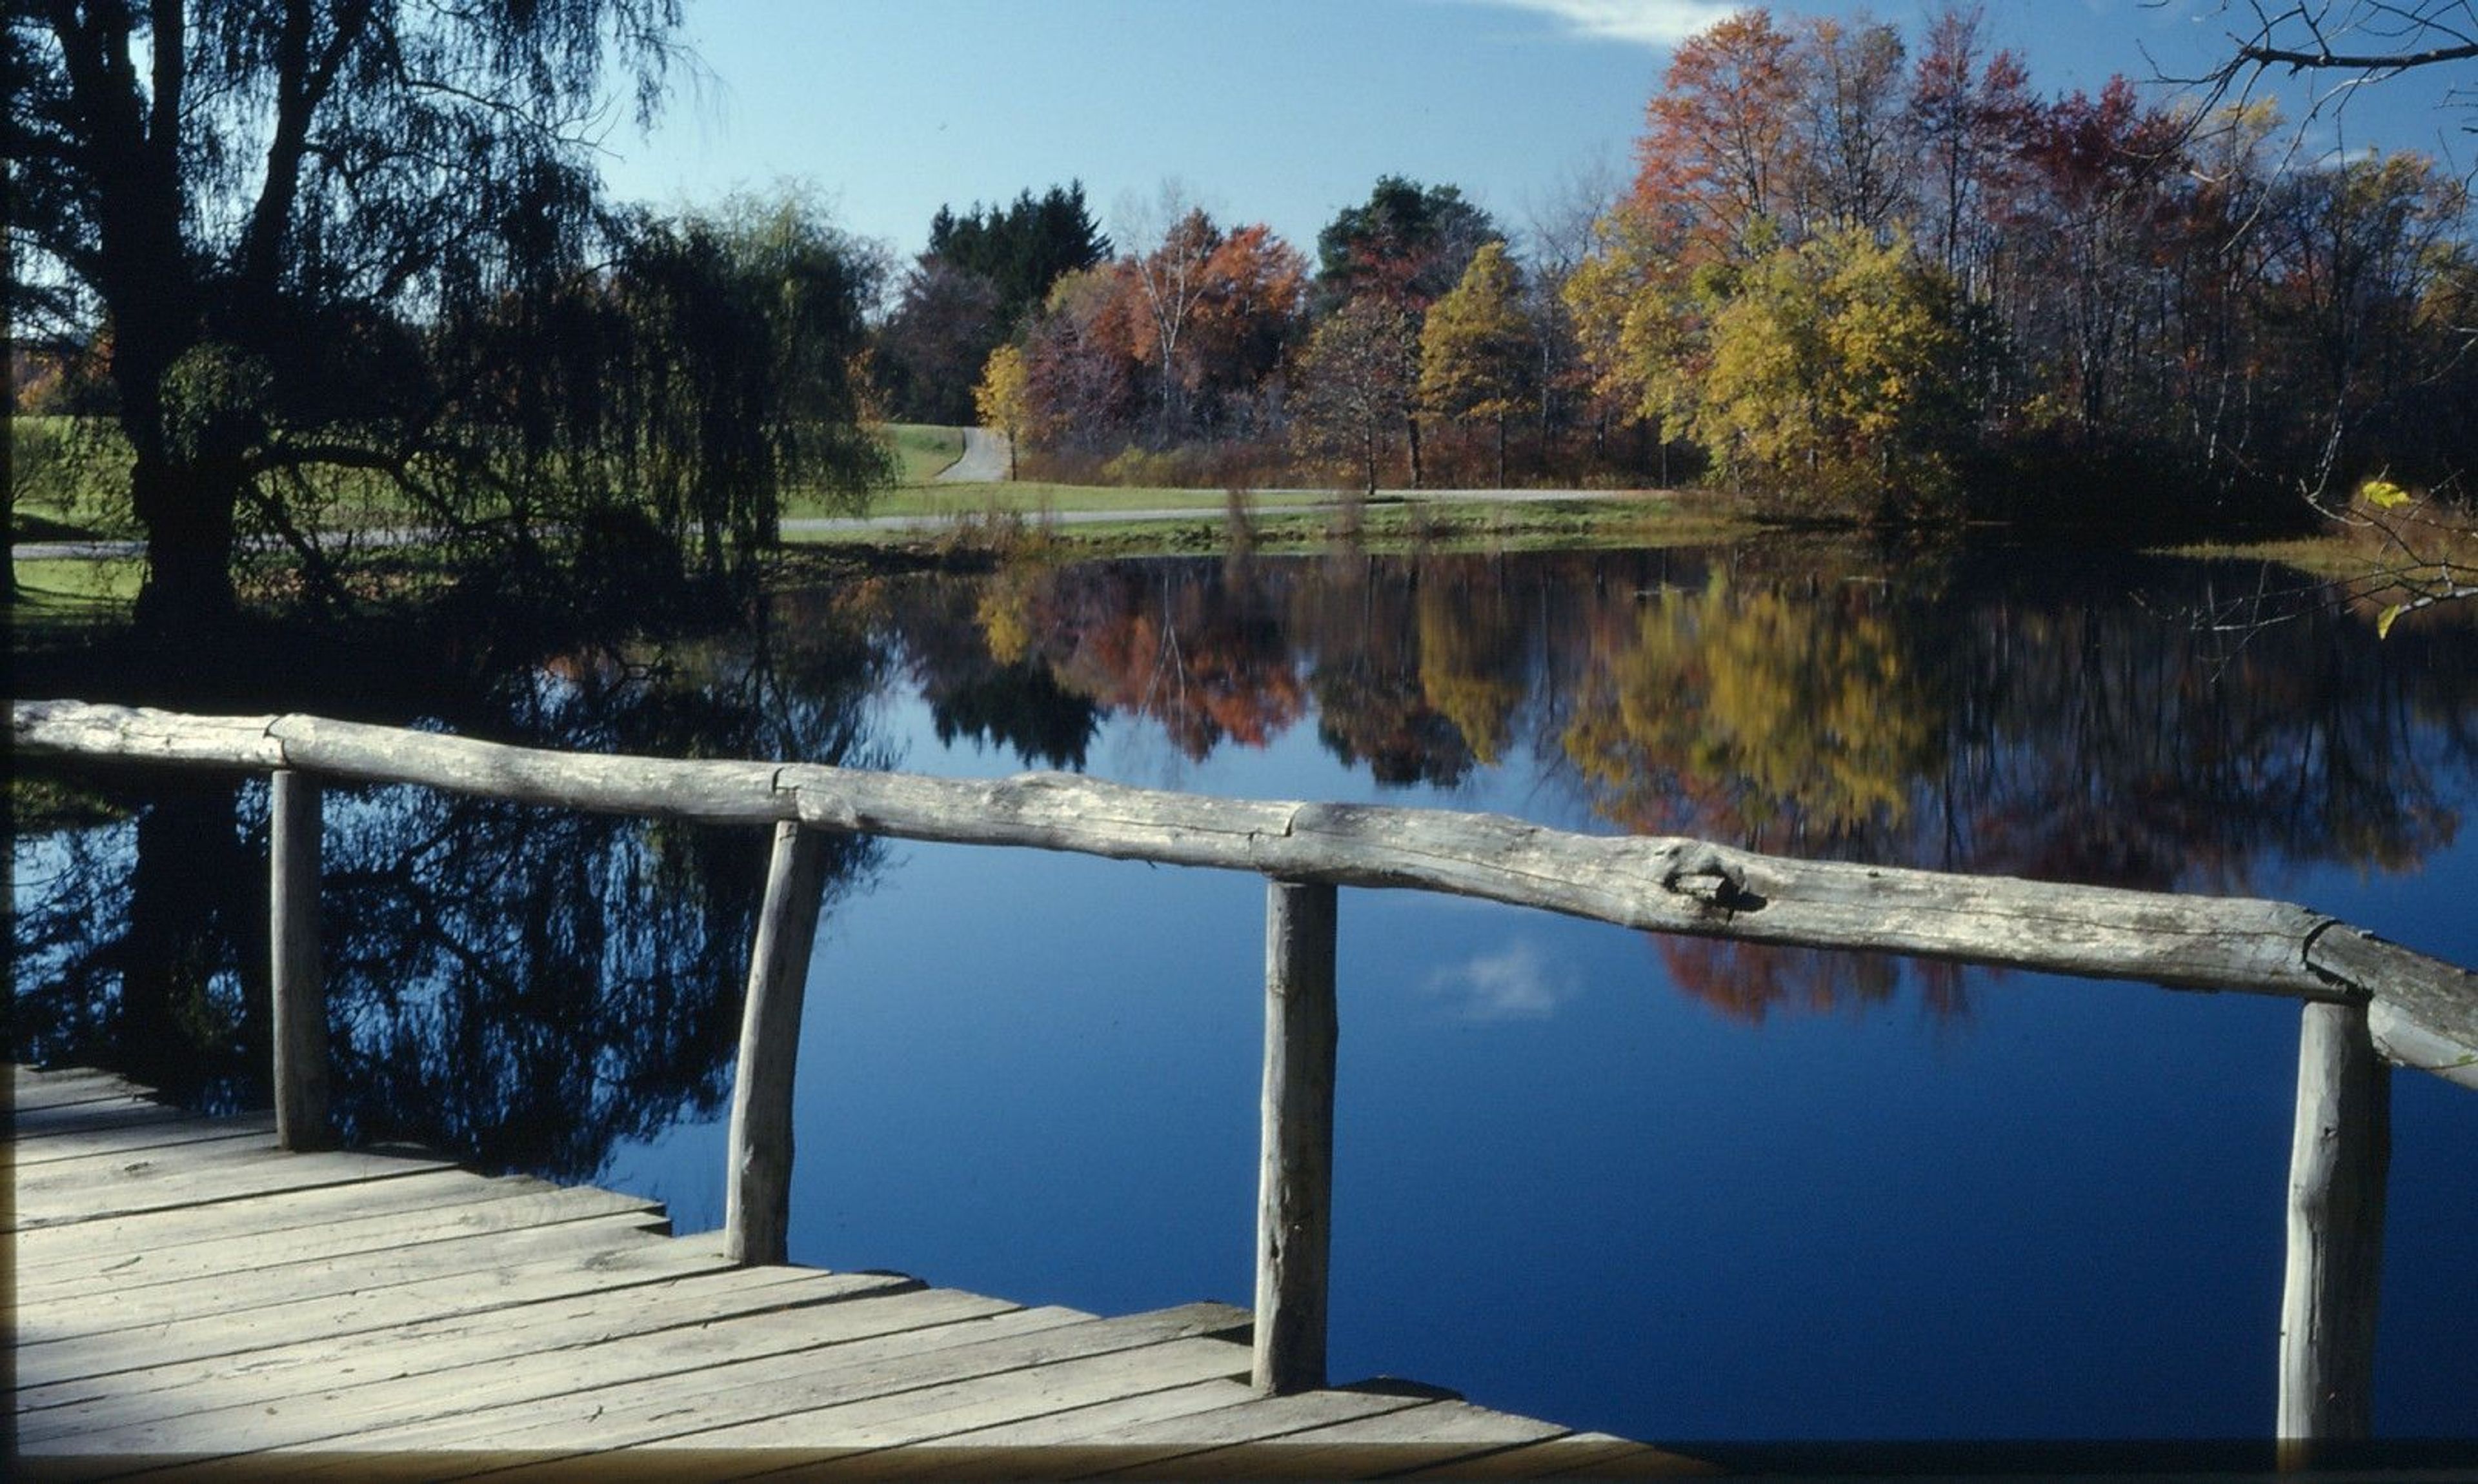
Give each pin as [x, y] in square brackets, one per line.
[2337, 1163]
[297, 993]
[1295, 1173]
[757, 1198]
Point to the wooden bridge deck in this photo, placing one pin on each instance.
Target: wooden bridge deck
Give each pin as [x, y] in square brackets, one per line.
[186, 1296]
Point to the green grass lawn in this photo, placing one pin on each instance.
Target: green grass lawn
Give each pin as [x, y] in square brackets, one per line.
[923, 451]
[63, 596]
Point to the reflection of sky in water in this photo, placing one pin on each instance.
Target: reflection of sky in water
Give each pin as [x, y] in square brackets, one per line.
[1575, 1176]
[1567, 1189]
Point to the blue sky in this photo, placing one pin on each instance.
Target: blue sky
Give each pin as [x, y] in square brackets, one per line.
[1274, 111]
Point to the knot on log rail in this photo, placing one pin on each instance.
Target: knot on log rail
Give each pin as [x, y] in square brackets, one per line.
[1702, 871]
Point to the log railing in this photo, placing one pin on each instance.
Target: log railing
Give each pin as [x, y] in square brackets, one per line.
[2360, 991]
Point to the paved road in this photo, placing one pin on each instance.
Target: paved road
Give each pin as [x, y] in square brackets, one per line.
[984, 460]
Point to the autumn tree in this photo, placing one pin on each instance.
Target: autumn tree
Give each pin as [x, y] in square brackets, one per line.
[1167, 267]
[2097, 218]
[1356, 383]
[1639, 321]
[1476, 348]
[1969, 115]
[1829, 375]
[1083, 381]
[1246, 319]
[1854, 171]
[1002, 397]
[944, 324]
[1407, 244]
[1720, 151]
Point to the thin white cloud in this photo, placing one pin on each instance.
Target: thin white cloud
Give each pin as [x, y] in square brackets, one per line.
[1513, 985]
[1658, 23]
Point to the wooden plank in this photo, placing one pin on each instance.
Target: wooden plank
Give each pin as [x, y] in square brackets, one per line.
[1295, 1159]
[539, 1332]
[1163, 1446]
[66, 1192]
[126, 1140]
[639, 1411]
[528, 1326]
[52, 1320]
[284, 1257]
[624, 1392]
[272, 1213]
[1146, 1409]
[1387, 1443]
[298, 987]
[935, 1412]
[2339, 1151]
[31, 1123]
[1577, 1455]
[65, 1087]
[757, 1187]
[645, 1260]
[26, 1075]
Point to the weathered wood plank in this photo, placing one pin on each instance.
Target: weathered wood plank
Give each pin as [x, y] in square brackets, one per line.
[1387, 1443]
[125, 1141]
[298, 988]
[479, 1348]
[964, 1451]
[641, 1411]
[204, 1300]
[272, 1212]
[67, 1087]
[93, 1265]
[81, 1191]
[2339, 1156]
[1295, 1158]
[1155, 1446]
[620, 1396]
[528, 1326]
[645, 1260]
[932, 1413]
[757, 1186]
[1577, 1455]
[56, 1118]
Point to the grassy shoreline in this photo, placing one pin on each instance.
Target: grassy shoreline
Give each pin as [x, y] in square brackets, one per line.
[989, 525]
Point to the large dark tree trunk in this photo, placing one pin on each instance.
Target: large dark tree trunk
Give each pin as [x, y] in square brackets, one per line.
[1412, 422]
[186, 509]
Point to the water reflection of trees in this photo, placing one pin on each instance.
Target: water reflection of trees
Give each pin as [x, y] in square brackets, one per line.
[524, 986]
[2066, 723]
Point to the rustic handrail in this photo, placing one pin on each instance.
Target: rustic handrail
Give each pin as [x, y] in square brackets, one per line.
[2425, 1011]
[2413, 1008]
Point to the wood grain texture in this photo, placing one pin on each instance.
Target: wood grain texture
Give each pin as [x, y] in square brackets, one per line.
[757, 1187]
[298, 985]
[448, 1324]
[1295, 1161]
[2339, 1156]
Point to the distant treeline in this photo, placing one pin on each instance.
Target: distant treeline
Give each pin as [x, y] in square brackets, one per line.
[1850, 277]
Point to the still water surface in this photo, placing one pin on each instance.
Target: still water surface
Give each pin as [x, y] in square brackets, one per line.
[1667, 1189]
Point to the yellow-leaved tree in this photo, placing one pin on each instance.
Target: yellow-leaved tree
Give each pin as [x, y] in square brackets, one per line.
[1478, 349]
[1002, 400]
[1830, 376]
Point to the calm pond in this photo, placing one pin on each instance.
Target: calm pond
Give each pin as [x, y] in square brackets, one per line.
[1670, 1189]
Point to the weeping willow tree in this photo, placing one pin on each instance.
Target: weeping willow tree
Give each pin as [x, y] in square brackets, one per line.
[356, 245]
